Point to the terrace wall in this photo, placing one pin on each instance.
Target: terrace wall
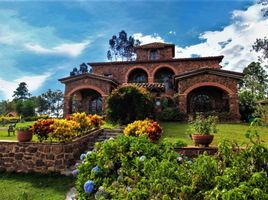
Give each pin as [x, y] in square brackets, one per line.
[43, 157]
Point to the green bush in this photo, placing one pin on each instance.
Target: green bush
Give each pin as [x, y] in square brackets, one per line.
[171, 114]
[134, 168]
[129, 103]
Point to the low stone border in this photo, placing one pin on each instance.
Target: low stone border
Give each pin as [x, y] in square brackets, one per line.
[43, 157]
[193, 151]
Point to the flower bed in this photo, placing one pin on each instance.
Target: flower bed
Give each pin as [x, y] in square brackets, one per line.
[135, 168]
[65, 130]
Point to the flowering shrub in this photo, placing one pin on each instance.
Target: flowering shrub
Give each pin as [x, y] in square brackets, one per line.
[96, 120]
[146, 127]
[64, 130]
[83, 120]
[42, 128]
[134, 168]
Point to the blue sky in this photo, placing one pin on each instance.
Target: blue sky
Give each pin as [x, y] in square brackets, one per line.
[41, 41]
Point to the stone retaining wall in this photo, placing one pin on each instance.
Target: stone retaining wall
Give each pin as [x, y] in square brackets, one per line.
[43, 157]
[192, 151]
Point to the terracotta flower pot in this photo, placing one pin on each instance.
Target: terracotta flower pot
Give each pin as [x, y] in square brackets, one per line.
[203, 140]
[24, 136]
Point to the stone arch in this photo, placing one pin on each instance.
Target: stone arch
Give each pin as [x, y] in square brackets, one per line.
[163, 66]
[214, 84]
[134, 68]
[82, 87]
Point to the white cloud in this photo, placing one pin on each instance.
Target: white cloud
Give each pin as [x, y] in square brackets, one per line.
[33, 82]
[70, 49]
[145, 39]
[233, 41]
[15, 32]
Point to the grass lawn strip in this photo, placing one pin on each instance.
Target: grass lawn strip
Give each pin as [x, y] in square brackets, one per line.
[34, 186]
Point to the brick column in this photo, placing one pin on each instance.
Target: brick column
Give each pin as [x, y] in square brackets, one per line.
[66, 105]
[234, 107]
[150, 79]
[183, 103]
[104, 98]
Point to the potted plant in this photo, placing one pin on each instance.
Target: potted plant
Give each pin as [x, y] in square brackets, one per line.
[24, 134]
[203, 129]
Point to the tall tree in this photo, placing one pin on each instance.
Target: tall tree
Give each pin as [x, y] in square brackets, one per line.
[54, 101]
[255, 80]
[22, 92]
[122, 46]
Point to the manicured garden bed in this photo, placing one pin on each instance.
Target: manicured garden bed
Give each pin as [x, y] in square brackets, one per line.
[34, 186]
[232, 132]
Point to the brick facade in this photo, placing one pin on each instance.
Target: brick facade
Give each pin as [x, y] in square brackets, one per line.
[188, 75]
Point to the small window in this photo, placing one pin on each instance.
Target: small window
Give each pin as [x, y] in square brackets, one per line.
[153, 54]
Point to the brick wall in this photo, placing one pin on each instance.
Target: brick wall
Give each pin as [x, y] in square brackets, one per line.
[43, 157]
[120, 70]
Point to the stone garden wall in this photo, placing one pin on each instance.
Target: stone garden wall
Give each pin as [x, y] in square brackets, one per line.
[44, 157]
[192, 151]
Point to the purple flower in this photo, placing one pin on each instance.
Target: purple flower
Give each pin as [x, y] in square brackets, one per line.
[89, 186]
[82, 156]
[96, 169]
[75, 172]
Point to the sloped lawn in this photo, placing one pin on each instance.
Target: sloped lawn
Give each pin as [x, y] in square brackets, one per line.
[232, 132]
[34, 186]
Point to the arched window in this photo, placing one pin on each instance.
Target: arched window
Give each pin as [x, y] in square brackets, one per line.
[153, 54]
[163, 74]
[138, 76]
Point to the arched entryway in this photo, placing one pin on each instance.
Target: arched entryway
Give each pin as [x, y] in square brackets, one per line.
[207, 99]
[86, 100]
[138, 75]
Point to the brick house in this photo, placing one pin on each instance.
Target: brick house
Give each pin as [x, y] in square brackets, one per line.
[200, 83]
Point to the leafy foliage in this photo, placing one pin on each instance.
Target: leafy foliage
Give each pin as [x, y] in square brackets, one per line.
[129, 103]
[122, 47]
[261, 45]
[50, 103]
[255, 80]
[204, 125]
[134, 168]
[22, 92]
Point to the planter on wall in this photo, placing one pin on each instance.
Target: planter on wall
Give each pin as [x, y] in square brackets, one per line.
[203, 140]
[24, 136]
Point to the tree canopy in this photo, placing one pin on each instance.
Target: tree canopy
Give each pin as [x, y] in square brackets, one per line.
[22, 92]
[255, 80]
[122, 46]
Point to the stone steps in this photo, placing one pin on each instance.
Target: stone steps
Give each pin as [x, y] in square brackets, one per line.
[105, 135]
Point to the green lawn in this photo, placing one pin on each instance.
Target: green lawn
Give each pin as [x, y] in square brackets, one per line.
[4, 133]
[34, 186]
[233, 132]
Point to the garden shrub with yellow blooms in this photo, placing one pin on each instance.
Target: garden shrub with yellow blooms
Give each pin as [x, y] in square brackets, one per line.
[83, 120]
[146, 127]
[64, 130]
